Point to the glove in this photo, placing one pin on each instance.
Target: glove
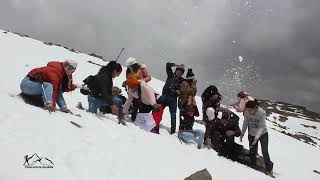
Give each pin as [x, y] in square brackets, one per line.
[50, 107]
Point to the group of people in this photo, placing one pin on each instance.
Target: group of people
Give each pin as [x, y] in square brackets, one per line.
[146, 106]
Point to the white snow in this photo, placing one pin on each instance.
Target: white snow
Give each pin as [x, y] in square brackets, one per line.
[102, 149]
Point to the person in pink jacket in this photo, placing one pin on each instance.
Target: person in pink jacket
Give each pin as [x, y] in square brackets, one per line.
[146, 97]
[243, 98]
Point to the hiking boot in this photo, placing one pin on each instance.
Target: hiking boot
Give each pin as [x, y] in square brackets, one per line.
[269, 173]
[122, 122]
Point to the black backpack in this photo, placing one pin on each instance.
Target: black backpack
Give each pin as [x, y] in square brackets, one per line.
[92, 86]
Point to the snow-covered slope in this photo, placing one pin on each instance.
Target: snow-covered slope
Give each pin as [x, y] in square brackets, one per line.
[102, 149]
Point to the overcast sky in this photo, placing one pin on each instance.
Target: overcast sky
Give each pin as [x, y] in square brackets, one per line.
[277, 41]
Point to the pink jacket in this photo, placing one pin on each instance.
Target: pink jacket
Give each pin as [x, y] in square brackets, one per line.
[241, 104]
[147, 96]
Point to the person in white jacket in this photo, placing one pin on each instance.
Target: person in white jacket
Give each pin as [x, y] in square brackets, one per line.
[146, 96]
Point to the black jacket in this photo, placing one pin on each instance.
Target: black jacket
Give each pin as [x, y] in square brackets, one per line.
[217, 126]
[105, 84]
[209, 92]
[187, 120]
[207, 102]
[173, 82]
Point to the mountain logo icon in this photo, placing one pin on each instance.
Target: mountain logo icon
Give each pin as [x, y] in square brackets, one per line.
[36, 161]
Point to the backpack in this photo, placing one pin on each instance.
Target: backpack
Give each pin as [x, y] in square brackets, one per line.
[92, 86]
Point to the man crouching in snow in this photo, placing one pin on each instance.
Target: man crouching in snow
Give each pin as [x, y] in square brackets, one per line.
[146, 97]
[50, 82]
[221, 132]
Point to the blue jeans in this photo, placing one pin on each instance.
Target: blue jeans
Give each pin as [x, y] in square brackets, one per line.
[96, 103]
[192, 135]
[171, 101]
[29, 87]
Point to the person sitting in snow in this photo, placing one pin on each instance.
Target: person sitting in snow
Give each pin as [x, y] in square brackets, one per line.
[141, 73]
[146, 97]
[101, 96]
[186, 133]
[210, 98]
[220, 132]
[255, 122]
[51, 82]
[170, 91]
[243, 98]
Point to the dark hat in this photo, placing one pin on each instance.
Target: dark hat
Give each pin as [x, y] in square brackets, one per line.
[252, 104]
[190, 74]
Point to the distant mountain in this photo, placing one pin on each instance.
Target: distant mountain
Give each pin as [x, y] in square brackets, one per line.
[294, 121]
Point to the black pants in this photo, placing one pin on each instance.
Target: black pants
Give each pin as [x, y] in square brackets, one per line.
[225, 146]
[264, 140]
[135, 108]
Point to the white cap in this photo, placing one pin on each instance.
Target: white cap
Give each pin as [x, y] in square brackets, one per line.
[72, 63]
[130, 61]
[211, 113]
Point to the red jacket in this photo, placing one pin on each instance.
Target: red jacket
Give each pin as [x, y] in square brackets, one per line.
[53, 73]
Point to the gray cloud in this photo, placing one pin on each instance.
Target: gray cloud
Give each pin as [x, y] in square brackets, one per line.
[278, 40]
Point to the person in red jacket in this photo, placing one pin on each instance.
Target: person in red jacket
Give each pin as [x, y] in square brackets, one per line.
[50, 82]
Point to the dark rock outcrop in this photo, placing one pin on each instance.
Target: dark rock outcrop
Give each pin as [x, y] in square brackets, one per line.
[200, 175]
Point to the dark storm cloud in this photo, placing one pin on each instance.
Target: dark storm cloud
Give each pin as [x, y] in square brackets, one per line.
[278, 40]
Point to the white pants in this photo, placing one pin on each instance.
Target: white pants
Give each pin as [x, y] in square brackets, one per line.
[145, 121]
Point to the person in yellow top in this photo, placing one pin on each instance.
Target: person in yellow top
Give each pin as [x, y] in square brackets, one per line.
[141, 72]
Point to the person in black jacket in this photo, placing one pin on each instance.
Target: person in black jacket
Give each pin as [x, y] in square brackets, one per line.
[210, 98]
[220, 133]
[170, 91]
[101, 91]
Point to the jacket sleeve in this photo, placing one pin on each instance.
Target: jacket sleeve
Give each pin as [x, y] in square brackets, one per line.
[148, 93]
[242, 105]
[237, 128]
[72, 88]
[196, 111]
[244, 125]
[145, 74]
[169, 69]
[183, 111]
[127, 104]
[208, 132]
[262, 125]
[106, 88]
[55, 84]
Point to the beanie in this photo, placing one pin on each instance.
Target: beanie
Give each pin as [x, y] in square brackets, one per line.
[131, 61]
[72, 63]
[190, 74]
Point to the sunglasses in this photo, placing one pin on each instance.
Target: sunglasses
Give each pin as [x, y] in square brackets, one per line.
[69, 67]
